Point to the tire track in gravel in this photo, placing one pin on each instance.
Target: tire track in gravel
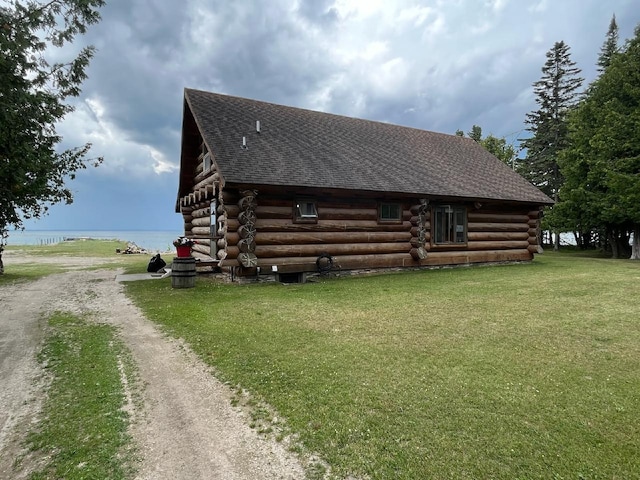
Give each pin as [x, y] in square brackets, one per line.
[187, 428]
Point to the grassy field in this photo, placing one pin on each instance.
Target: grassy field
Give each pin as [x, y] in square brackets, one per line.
[103, 249]
[83, 431]
[521, 371]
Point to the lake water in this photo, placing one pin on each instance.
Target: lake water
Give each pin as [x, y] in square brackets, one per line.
[161, 240]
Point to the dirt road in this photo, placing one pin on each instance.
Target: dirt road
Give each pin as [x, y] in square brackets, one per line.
[186, 427]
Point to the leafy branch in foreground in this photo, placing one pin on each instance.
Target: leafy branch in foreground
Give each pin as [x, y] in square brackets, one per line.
[33, 96]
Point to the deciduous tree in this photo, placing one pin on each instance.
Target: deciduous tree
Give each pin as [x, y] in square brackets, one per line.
[34, 92]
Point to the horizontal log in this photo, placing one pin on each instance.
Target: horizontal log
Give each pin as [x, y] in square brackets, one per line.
[201, 212]
[199, 166]
[296, 238]
[331, 249]
[232, 238]
[498, 245]
[416, 242]
[533, 240]
[205, 249]
[230, 197]
[463, 257]
[533, 232]
[275, 225]
[203, 241]
[187, 218]
[418, 253]
[209, 180]
[533, 223]
[188, 226]
[201, 222]
[535, 249]
[202, 231]
[478, 217]
[497, 227]
[484, 236]
[344, 262]
[349, 262]
[535, 214]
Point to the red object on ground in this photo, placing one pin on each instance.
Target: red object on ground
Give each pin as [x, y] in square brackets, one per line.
[183, 251]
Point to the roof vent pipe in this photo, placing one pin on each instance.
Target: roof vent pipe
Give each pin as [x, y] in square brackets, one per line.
[244, 142]
[258, 126]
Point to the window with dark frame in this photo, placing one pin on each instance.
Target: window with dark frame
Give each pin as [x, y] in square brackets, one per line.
[390, 212]
[450, 224]
[305, 211]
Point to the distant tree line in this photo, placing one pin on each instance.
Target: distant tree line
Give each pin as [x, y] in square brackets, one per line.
[584, 148]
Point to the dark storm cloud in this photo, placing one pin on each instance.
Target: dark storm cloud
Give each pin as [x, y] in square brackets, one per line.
[437, 65]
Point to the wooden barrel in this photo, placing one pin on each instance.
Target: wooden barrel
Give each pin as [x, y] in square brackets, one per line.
[183, 272]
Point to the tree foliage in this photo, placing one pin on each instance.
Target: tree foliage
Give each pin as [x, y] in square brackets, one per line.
[33, 95]
[556, 94]
[609, 47]
[495, 145]
[602, 162]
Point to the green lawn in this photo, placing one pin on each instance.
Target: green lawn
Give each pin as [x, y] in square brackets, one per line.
[519, 371]
[36, 268]
[83, 430]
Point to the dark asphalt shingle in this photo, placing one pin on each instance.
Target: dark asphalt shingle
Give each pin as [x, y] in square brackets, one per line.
[303, 148]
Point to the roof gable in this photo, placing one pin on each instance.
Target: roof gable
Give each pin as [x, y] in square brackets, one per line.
[304, 148]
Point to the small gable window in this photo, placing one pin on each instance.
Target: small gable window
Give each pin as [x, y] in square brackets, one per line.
[207, 162]
[450, 224]
[305, 211]
[390, 212]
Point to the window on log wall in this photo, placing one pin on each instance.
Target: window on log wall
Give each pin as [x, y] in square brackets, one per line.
[450, 224]
[305, 211]
[390, 213]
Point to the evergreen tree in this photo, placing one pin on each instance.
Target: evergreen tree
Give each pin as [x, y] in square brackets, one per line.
[602, 164]
[556, 93]
[33, 95]
[475, 134]
[609, 47]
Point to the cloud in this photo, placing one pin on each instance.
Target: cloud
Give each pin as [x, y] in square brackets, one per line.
[439, 65]
[122, 155]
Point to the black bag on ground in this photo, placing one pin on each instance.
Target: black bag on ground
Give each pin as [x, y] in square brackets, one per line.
[156, 263]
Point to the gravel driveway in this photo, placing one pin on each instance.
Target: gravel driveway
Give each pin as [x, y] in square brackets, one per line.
[186, 427]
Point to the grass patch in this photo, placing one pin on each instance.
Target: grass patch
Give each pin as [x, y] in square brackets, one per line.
[83, 432]
[82, 248]
[527, 371]
[100, 249]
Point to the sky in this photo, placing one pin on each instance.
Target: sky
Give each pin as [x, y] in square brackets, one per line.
[439, 65]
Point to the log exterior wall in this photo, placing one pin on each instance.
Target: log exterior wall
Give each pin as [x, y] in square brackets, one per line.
[195, 207]
[258, 230]
[255, 232]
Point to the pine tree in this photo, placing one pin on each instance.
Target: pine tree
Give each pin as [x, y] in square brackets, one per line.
[556, 93]
[602, 163]
[609, 47]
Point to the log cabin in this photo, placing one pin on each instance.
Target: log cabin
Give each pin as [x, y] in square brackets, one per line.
[275, 192]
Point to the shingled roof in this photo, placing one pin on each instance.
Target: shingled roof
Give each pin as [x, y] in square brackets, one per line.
[304, 148]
